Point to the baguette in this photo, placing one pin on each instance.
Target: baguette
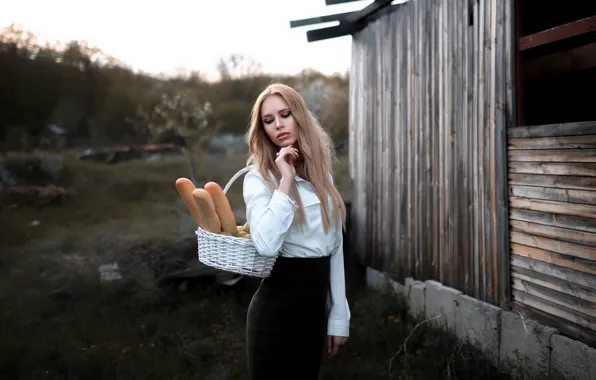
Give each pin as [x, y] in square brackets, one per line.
[206, 208]
[185, 188]
[222, 207]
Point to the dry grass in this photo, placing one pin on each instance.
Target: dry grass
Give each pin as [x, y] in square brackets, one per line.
[131, 201]
[59, 322]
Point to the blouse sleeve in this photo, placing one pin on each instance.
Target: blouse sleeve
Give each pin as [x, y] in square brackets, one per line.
[269, 214]
[339, 314]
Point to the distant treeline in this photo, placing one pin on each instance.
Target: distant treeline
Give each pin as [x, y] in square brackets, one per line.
[93, 96]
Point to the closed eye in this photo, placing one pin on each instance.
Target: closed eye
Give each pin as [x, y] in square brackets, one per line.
[284, 114]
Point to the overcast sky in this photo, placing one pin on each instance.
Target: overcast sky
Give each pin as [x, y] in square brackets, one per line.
[158, 38]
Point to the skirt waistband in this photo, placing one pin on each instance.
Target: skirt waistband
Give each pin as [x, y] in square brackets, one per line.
[291, 269]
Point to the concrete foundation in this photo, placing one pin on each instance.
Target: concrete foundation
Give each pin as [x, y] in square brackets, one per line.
[518, 345]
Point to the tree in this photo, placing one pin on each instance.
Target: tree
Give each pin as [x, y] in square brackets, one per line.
[179, 116]
[238, 66]
[335, 109]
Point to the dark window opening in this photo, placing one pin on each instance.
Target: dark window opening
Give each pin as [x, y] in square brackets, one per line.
[557, 64]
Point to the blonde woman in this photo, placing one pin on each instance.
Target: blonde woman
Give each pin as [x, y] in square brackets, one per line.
[296, 213]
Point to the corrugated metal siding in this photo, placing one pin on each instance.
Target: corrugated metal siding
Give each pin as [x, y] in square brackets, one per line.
[429, 88]
[552, 187]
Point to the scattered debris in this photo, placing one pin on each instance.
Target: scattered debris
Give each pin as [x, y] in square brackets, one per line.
[109, 272]
[37, 196]
[175, 264]
[114, 155]
[200, 274]
[32, 170]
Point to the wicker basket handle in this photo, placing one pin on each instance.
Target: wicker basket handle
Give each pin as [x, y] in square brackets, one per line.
[235, 177]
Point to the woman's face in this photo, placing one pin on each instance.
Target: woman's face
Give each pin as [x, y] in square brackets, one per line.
[278, 121]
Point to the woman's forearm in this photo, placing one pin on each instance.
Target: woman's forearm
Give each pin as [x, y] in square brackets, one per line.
[284, 185]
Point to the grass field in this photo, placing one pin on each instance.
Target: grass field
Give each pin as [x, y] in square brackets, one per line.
[59, 321]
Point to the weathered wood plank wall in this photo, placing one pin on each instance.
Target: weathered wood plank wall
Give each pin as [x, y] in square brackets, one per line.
[431, 89]
[552, 189]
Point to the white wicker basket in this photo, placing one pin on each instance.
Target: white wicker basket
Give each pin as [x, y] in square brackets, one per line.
[232, 254]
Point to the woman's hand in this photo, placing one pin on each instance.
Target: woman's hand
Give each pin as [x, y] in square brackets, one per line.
[333, 343]
[286, 157]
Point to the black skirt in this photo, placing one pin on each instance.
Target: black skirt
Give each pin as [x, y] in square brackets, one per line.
[287, 321]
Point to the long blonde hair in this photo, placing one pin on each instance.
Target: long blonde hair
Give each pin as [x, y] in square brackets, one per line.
[315, 146]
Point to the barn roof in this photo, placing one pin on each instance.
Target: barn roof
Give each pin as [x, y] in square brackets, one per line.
[349, 22]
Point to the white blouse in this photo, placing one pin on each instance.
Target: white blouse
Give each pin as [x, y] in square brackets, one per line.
[270, 215]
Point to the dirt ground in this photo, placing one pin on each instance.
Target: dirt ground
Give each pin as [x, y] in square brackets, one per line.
[60, 321]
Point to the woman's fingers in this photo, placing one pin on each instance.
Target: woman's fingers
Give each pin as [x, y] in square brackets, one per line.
[333, 344]
[288, 153]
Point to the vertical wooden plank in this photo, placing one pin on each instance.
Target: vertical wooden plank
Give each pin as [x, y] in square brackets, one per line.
[413, 130]
[387, 129]
[491, 194]
[456, 252]
[383, 128]
[378, 134]
[450, 175]
[399, 142]
[371, 156]
[449, 141]
[428, 235]
[474, 127]
[410, 167]
[404, 126]
[382, 167]
[375, 124]
[378, 129]
[441, 132]
[448, 122]
[480, 142]
[392, 147]
[460, 128]
[469, 156]
[486, 127]
[423, 195]
[443, 95]
[367, 158]
[465, 149]
[434, 26]
[416, 129]
[502, 118]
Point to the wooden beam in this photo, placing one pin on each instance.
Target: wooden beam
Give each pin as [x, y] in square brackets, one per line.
[368, 10]
[319, 20]
[350, 24]
[335, 2]
[558, 33]
[343, 29]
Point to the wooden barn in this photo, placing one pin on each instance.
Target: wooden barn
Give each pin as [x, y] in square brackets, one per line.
[473, 149]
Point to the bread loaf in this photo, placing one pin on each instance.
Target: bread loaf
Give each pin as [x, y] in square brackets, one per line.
[206, 208]
[185, 187]
[222, 207]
